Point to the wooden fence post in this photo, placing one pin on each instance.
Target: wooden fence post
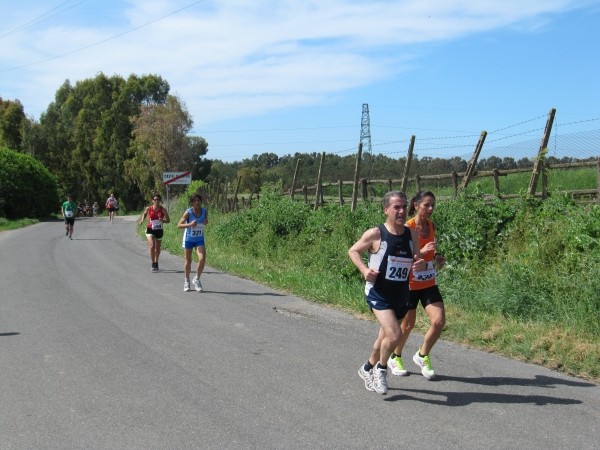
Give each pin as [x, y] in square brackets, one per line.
[544, 184]
[341, 192]
[294, 179]
[539, 161]
[418, 182]
[235, 193]
[496, 181]
[356, 177]
[598, 183]
[455, 182]
[409, 155]
[389, 184]
[365, 194]
[225, 190]
[473, 161]
[319, 190]
[251, 195]
[305, 193]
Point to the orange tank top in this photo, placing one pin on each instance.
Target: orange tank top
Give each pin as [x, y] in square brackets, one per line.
[428, 277]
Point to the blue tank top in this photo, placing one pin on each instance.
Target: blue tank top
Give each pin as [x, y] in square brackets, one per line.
[195, 234]
[393, 260]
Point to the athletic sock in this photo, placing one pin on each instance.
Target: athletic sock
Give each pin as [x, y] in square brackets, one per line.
[368, 366]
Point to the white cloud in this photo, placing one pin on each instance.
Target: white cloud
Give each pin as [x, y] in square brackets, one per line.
[229, 58]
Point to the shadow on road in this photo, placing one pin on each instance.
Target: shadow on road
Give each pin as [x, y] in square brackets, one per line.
[90, 239]
[467, 398]
[12, 333]
[253, 294]
[539, 381]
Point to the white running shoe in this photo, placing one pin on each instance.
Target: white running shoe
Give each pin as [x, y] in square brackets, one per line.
[186, 286]
[197, 284]
[425, 364]
[367, 377]
[397, 366]
[380, 380]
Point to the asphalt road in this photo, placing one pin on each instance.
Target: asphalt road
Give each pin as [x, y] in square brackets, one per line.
[97, 352]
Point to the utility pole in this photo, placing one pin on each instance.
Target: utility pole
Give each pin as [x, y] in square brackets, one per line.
[365, 136]
[365, 129]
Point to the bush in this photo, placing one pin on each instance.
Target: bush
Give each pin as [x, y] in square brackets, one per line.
[543, 267]
[470, 228]
[27, 188]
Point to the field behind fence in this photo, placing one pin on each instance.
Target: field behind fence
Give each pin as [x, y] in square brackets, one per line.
[580, 179]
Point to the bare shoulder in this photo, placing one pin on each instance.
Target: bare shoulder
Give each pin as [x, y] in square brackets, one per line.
[371, 236]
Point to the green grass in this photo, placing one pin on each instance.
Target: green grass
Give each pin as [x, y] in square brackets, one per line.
[518, 183]
[508, 287]
[6, 224]
[511, 184]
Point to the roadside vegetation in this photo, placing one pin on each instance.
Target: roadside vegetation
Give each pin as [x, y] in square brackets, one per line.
[521, 278]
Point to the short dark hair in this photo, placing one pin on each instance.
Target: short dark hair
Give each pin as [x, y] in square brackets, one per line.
[388, 197]
[194, 197]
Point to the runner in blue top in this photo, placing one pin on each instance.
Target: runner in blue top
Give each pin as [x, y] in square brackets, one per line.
[193, 221]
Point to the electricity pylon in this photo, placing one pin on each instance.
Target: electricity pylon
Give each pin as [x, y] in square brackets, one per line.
[365, 129]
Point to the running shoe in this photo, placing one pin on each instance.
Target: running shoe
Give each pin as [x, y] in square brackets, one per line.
[186, 286]
[425, 364]
[367, 377]
[397, 366]
[197, 284]
[380, 380]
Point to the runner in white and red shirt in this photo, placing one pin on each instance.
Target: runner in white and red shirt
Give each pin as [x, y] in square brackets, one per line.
[157, 216]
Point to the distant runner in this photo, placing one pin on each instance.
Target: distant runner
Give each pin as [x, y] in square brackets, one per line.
[111, 205]
[69, 210]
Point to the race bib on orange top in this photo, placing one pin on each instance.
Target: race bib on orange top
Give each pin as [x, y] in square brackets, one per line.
[428, 274]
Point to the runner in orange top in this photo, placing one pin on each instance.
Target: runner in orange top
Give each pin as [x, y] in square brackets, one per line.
[423, 289]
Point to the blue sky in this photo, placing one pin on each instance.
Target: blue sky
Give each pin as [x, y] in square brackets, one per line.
[292, 76]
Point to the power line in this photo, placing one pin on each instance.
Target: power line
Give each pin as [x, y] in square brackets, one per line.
[41, 18]
[131, 30]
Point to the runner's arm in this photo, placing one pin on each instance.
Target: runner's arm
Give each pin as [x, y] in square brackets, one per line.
[419, 263]
[144, 214]
[183, 223]
[366, 242]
